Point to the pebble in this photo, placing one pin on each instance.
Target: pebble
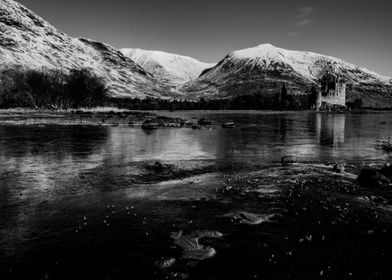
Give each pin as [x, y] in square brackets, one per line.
[309, 238]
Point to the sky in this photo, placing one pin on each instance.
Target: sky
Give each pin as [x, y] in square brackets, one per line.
[354, 30]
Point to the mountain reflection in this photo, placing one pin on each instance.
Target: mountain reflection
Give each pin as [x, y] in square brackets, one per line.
[56, 142]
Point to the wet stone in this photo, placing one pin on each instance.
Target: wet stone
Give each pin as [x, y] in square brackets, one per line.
[288, 160]
[372, 178]
[192, 249]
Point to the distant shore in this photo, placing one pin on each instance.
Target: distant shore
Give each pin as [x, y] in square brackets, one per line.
[108, 116]
[95, 117]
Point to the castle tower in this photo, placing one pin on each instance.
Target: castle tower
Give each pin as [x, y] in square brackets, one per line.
[333, 92]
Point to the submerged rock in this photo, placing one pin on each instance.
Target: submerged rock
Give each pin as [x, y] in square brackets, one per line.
[166, 263]
[188, 124]
[149, 125]
[372, 178]
[339, 167]
[288, 160]
[386, 146]
[158, 167]
[199, 254]
[251, 218]
[192, 249]
[386, 170]
[195, 126]
[208, 234]
[205, 121]
[229, 125]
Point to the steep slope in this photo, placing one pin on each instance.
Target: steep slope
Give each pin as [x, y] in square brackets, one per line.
[27, 41]
[167, 67]
[264, 69]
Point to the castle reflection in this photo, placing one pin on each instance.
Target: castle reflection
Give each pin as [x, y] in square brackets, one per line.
[330, 129]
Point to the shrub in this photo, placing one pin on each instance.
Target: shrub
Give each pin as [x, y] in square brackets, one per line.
[85, 89]
[50, 89]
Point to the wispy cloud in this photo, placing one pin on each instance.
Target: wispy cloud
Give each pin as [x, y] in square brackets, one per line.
[292, 34]
[303, 18]
[305, 12]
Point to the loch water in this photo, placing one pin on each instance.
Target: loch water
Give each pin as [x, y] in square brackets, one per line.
[55, 181]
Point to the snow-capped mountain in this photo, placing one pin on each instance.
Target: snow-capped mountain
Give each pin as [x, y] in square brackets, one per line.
[28, 41]
[264, 69]
[167, 67]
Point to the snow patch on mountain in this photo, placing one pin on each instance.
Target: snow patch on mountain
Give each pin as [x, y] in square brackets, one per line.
[265, 68]
[307, 64]
[167, 67]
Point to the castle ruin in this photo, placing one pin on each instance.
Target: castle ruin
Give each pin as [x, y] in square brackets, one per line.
[329, 94]
[332, 92]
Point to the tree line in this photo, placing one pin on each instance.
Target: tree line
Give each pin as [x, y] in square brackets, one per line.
[280, 101]
[50, 89]
[243, 102]
[56, 90]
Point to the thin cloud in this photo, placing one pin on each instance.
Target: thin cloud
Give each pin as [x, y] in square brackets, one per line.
[304, 22]
[305, 12]
[303, 18]
[292, 34]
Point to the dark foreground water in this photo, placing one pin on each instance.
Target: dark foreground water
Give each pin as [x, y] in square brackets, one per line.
[81, 202]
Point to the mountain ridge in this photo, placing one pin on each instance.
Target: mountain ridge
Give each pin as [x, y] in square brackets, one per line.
[28, 41]
[265, 68]
[168, 67]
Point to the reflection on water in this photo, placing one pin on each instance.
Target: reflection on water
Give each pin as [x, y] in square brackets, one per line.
[330, 129]
[41, 165]
[50, 158]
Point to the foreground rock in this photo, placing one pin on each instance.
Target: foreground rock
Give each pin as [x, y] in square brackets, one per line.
[373, 178]
[339, 167]
[192, 249]
[288, 160]
[251, 218]
[324, 224]
[386, 170]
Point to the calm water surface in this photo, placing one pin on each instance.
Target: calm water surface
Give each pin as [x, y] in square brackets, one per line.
[50, 174]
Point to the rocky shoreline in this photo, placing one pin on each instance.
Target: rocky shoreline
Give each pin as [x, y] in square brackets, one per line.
[117, 117]
[290, 221]
[80, 117]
